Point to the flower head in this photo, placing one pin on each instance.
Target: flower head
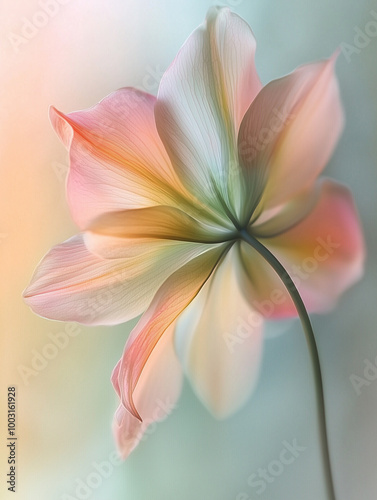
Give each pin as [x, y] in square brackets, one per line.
[166, 191]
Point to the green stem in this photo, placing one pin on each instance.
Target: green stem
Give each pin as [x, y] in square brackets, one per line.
[295, 295]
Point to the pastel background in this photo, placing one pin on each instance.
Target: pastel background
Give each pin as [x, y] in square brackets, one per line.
[81, 51]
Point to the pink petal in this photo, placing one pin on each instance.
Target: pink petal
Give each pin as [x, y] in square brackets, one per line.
[170, 300]
[322, 252]
[219, 341]
[289, 133]
[72, 284]
[117, 160]
[155, 395]
[201, 101]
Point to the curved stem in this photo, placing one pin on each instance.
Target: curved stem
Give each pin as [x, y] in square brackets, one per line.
[295, 295]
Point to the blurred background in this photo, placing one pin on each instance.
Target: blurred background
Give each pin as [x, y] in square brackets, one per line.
[71, 53]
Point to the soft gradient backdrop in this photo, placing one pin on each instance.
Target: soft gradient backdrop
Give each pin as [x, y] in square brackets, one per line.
[81, 51]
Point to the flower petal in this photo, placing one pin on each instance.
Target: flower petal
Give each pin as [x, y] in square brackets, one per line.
[170, 300]
[322, 252]
[117, 160]
[219, 341]
[201, 101]
[289, 133]
[153, 223]
[280, 219]
[155, 395]
[72, 284]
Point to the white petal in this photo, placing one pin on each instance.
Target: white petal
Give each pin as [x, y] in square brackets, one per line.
[201, 101]
[219, 341]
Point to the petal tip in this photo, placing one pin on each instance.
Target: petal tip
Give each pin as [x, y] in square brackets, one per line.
[62, 127]
[125, 444]
[215, 10]
[334, 57]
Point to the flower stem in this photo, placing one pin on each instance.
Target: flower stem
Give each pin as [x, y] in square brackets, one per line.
[312, 346]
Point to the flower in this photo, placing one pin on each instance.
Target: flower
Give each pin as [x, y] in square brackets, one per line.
[168, 192]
